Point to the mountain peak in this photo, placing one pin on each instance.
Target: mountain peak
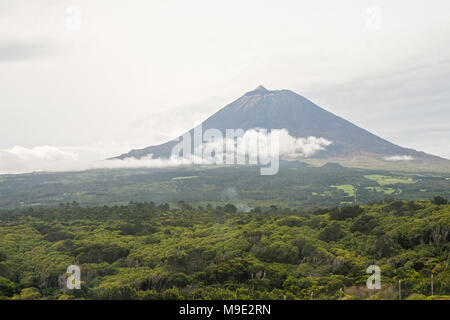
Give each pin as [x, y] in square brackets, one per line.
[258, 90]
[285, 109]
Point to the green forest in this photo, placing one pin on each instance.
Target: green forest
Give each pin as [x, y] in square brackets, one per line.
[180, 251]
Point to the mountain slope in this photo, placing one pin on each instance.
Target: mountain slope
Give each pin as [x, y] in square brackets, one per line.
[284, 109]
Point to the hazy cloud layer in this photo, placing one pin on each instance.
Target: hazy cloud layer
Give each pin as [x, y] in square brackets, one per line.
[43, 158]
[53, 159]
[49, 158]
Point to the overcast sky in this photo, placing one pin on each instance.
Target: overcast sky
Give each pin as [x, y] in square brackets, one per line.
[96, 78]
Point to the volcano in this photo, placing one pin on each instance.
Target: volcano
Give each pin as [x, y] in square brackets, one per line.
[285, 109]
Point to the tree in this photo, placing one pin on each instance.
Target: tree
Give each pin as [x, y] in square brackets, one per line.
[97, 253]
[183, 205]
[364, 224]
[331, 233]
[305, 249]
[6, 287]
[230, 208]
[384, 247]
[164, 207]
[116, 293]
[279, 252]
[439, 200]
[28, 294]
[345, 213]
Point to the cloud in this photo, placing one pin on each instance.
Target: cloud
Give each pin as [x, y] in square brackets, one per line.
[257, 143]
[49, 158]
[43, 153]
[301, 147]
[52, 159]
[289, 146]
[42, 158]
[145, 162]
[14, 51]
[399, 158]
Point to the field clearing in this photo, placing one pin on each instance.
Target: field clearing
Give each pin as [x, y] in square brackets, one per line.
[184, 178]
[389, 180]
[383, 190]
[347, 188]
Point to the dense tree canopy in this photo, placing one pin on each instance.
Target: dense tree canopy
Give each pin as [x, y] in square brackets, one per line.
[145, 251]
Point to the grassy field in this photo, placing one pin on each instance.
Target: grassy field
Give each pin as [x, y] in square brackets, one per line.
[387, 191]
[347, 188]
[389, 180]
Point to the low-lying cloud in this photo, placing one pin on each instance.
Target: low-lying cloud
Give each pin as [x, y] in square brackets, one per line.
[42, 158]
[399, 158]
[257, 143]
[52, 159]
[301, 147]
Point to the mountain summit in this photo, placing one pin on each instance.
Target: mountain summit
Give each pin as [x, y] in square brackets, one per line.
[258, 90]
[285, 109]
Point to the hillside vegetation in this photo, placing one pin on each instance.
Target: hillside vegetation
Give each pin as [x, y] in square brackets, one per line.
[144, 251]
[296, 185]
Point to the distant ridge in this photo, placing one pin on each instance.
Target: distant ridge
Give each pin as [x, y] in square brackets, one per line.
[332, 165]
